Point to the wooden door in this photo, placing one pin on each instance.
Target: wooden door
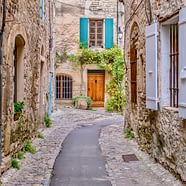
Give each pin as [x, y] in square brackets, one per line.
[96, 84]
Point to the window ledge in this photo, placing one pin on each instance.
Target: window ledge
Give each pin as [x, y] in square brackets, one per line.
[173, 109]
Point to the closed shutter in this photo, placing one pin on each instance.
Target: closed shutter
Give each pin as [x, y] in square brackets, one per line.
[108, 33]
[42, 7]
[182, 62]
[151, 67]
[84, 32]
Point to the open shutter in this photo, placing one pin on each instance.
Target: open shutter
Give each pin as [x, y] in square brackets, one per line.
[151, 67]
[84, 32]
[108, 33]
[182, 63]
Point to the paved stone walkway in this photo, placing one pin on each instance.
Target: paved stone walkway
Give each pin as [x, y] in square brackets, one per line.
[36, 169]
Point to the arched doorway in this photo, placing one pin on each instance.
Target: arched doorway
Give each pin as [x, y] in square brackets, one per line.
[19, 68]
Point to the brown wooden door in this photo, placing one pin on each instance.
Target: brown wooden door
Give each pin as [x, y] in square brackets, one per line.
[96, 83]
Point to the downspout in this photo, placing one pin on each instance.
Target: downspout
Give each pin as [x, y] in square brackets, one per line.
[1, 62]
[50, 73]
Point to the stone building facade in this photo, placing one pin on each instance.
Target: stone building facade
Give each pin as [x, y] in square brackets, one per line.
[155, 79]
[25, 67]
[68, 22]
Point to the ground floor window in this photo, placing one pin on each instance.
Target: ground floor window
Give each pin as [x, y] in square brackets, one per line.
[63, 87]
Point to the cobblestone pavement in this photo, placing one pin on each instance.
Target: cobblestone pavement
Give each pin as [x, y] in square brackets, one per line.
[36, 168]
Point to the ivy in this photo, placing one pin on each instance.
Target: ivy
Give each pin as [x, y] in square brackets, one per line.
[112, 61]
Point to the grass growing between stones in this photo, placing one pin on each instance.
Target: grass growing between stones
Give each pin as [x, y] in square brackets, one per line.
[29, 147]
[128, 133]
[15, 164]
[20, 155]
[40, 135]
[47, 121]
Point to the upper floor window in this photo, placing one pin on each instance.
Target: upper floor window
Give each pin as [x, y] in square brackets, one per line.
[96, 33]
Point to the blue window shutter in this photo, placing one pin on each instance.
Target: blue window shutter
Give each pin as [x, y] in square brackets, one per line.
[151, 67]
[42, 8]
[84, 32]
[182, 64]
[108, 33]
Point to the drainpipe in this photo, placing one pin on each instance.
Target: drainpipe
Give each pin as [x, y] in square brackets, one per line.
[1, 62]
[50, 61]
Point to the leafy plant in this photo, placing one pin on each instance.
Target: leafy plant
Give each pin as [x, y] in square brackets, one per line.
[47, 121]
[18, 106]
[28, 147]
[87, 98]
[20, 155]
[40, 135]
[15, 164]
[128, 133]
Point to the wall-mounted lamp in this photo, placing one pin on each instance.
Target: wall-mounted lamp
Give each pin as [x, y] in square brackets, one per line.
[120, 33]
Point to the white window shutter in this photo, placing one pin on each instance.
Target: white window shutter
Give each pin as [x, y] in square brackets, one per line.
[182, 63]
[151, 67]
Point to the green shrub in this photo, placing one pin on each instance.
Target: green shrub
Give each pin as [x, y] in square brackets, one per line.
[28, 147]
[87, 98]
[40, 135]
[15, 164]
[18, 106]
[128, 133]
[47, 121]
[20, 155]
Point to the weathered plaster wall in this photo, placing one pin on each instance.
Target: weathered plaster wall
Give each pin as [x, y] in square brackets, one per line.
[161, 133]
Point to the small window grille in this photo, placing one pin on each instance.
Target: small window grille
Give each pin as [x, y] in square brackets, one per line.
[63, 87]
[174, 62]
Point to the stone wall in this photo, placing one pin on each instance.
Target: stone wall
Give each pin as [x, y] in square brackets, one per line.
[25, 31]
[160, 133]
[68, 14]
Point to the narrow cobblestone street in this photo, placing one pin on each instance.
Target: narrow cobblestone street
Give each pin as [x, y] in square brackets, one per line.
[36, 169]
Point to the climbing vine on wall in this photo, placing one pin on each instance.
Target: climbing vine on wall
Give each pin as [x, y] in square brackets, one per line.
[112, 61]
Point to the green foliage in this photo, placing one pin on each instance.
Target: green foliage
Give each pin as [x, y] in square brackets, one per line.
[87, 98]
[15, 164]
[112, 61]
[28, 147]
[20, 155]
[18, 106]
[47, 121]
[40, 135]
[128, 133]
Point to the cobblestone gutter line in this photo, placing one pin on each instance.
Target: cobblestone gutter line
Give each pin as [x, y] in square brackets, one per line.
[36, 169]
[144, 172]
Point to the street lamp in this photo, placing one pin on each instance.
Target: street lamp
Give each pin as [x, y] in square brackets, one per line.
[120, 33]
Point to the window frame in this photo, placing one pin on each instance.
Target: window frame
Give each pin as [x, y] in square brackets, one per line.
[61, 90]
[96, 20]
[165, 87]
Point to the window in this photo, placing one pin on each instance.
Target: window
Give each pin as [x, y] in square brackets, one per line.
[172, 70]
[95, 33]
[173, 65]
[63, 87]
[133, 63]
